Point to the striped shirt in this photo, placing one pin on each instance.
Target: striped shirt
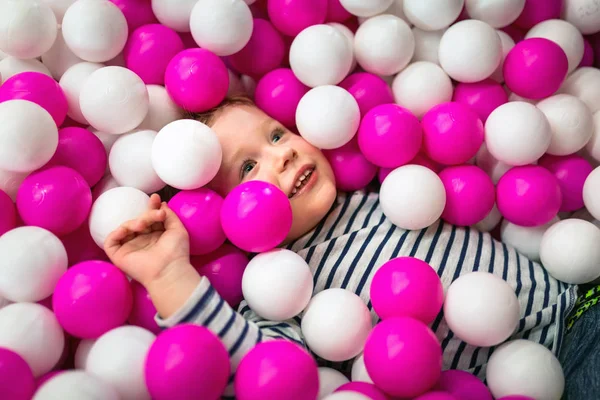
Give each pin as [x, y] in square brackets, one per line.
[352, 242]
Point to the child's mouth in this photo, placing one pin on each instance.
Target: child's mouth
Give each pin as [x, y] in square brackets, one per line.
[302, 182]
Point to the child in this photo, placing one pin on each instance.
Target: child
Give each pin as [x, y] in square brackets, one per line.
[344, 238]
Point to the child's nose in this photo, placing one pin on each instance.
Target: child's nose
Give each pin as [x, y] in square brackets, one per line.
[285, 156]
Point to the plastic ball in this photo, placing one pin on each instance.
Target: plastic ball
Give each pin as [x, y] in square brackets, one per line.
[94, 30]
[39, 89]
[136, 12]
[162, 110]
[482, 97]
[536, 11]
[336, 12]
[368, 90]
[291, 17]
[516, 397]
[517, 133]
[34, 334]
[196, 79]
[73, 385]
[278, 94]
[591, 193]
[427, 44]
[8, 213]
[105, 184]
[60, 57]
[436, 396]
[320, 55]
[563, 34]
[368, 389]
[224, 269]
[584, 84]
[174, 13]
[571, 173]
[407, 287]
[347, 395]
[588, 55]
[113, 208]
[292, 373]
[33, 261]
[525, 239]
[199, 212]
[327, 117]
[10, 182]
[11, 66]
[16, 379]
[28, 139]
[349, 35]
[28, 28]
[490, 222]
[507, 44]
[142, 311]
[187, 361]
[415, 363]
[329, 380]
[359, 370]
[384, 45]
[421, 86]
[186, 154]
[263, 53]
[350, 167]
[82, 352]
[336, 324]
[481, 309]
[81, 247]
[148, 51]
[583, 14]
[72, 82]
[512, 368]
[118, 358]
[497, 13]
[256, 216]
[432, 15]
[366, 9]
[463, 385]
[569, 253]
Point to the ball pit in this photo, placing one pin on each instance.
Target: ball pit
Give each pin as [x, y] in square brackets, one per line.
[17, 381]
[369, 90]
[8, 214]
[278, 94]
[483, 97]
[142, 309]
[352, 170]
[368, 389]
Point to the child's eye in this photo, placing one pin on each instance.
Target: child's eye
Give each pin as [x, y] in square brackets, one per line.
[247, 166]
[277, 135]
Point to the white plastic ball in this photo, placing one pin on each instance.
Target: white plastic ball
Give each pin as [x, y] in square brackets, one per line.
[421, 86]
[118, 358]
[59, 58]
[362, 8]
[113, 208]
[95, 30]
[507, 44]
[571, 121]
[320, 55]
[470, 51]
[584, 83]
[592, 148]
[516, 97]
[526, 239]
[329, 381]
[569, 251]
[34, 333]
[33, 260]
[497, 13]
[10, 66]
[584, 14]
[28, 28]
[71, 83]
[427, 45]
[59, 7]
[4, 302]
[490, 165]
[515, 367]
[186, 154]
[359, 370]
[384, 45]
[105, 184]
[277, 284]
[336, 324]
[223, 27]
[327, 117]
[412, 197]
[174, 13]
[82, 352]
[591, 193]
[10, 182]
[75, 385]
[347, 395]
[107, 140]
[162, 109]
[481, 309]
[563, 34]
[490, 221]
[517, 133]
[349, 35]
[28, 136]
[114, 100]
[432, 15]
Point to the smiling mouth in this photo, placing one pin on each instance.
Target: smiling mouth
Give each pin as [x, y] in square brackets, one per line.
[302, 182]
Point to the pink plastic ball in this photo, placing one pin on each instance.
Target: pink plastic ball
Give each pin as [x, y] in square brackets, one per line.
[81, 247]
[291, 17]
[278, 94]
[407, 287]
[515, 33]
[82, 151]
[470, 194]
[452, 133]
[57, 199]
[463, 386]
[136, 12]
[16, 378]
[368, 389]
[39, 89]
[148, 51]
[528, 196]
[277, 369]
[536, 11]
[483, 97]
[571, 172]
[92, 298]
[414, 364]
[516, 397]
[8, 213]
[588, 55]
[389, 136]
[369, 90]
[142, 311]
[351, 168]
[188, 40]
[187, 361]
[420, 159]
[437, 396]
[256, 216]
[46, 377]
[535, 68]
[196, 79]
[263, 53]
[336, 12]
[224, 269]
[199, 212]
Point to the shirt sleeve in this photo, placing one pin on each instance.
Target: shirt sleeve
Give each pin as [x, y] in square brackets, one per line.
[238, 331]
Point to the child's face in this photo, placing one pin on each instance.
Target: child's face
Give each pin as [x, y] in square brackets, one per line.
[256, 147]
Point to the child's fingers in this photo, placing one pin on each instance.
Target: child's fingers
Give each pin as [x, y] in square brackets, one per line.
[113, 240]
[144, 221]
[171, 221]
[154, 203]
